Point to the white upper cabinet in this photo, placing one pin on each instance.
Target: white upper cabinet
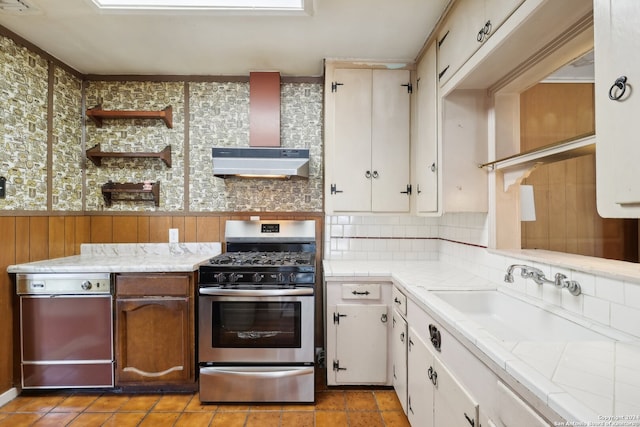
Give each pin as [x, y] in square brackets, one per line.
[425, 143]
[617, 73]
[457, 39]
[469, 24]
[367, 125]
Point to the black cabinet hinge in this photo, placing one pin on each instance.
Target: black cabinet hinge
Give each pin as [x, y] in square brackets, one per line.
[408, 192]
[334, 189]
[334, 86]
[443, 72]
[337, 316]
[336, 366]
[442, 39]
[409, 87]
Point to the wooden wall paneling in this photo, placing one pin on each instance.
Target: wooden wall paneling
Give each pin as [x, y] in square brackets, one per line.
[38, 238]
[22, 247]
[178, 222]
[159, 229]
[143, 229]
[7, 257]
[190, 229]
[82, 232]
[125, 229]
[69, 235]
[101, 229]
[57, 236]
[208, 229]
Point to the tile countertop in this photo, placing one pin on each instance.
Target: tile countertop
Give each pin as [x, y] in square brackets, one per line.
[126, 258]
[582, 381]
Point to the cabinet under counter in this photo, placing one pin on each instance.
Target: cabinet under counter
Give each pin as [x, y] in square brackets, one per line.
[155, 331]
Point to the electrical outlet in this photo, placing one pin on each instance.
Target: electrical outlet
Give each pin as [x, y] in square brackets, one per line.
[173, 235]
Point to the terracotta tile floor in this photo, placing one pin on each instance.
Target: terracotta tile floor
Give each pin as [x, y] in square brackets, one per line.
[333, 408]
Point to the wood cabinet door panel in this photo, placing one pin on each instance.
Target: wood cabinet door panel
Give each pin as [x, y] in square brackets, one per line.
[361, 343]
[399, 356]
[425, 159]
[616, 39]
[419, 386]
[153, 340]
[352, 140]
[454, 407]
[152, 284]
[390, 140]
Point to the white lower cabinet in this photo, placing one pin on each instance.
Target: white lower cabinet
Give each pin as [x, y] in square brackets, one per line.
[358, 329]
[360, 344]
[511, 410]
[435, 397]
[399, 357]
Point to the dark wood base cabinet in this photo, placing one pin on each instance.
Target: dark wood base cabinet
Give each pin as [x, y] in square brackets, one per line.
[155, 333]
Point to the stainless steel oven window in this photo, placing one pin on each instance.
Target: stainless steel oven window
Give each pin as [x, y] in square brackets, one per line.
[256, 324]
[302, 353]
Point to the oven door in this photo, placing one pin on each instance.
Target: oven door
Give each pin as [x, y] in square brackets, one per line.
[255, 326]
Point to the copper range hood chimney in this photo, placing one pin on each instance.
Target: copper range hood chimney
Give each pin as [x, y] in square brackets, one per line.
[264, 109]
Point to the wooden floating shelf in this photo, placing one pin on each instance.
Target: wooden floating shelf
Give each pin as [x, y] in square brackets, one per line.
[112, 190]
[95, 155]
[97, 114]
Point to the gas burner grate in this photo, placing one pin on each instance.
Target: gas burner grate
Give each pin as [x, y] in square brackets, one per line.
[253, 258]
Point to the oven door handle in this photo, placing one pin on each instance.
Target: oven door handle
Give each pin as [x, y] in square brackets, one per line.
[267, 372]
[256, 293]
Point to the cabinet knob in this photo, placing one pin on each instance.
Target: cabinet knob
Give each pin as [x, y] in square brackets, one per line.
[433, 167]
[619, 87]
[367, 174]
[375, 174]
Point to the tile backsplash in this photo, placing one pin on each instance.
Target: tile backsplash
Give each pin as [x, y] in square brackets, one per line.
[608, 297]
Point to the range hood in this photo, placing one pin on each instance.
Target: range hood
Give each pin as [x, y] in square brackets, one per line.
[260, 162]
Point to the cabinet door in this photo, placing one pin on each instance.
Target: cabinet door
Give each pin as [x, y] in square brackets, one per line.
[399, 357]
[454, 407]
[498, 11]
[425, 159]
[419, 386]
[391, 100]
[457, 40]
[153, 340]
[361, 344]
[512, 410]
[617, 39]
[351, 151]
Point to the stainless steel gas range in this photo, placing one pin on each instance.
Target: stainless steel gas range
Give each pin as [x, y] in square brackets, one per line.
[256, 314]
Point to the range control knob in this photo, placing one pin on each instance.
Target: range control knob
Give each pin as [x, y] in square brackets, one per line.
[86, 285]
[233, 277]
[220, 277]
[280, 278]
[292, 277]
[257, 277]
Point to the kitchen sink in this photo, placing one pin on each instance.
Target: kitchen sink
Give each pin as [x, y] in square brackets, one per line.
[511, 319]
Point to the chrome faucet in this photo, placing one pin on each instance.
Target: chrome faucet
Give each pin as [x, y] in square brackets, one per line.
[537, 275]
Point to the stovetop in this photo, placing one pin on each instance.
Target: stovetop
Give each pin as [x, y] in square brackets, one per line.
[282, 258]
[259, 268]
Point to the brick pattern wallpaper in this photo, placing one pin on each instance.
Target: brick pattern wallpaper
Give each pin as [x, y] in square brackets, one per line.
[23, 127]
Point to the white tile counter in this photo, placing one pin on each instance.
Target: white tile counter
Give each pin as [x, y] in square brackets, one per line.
[125, 258]
[583, 381]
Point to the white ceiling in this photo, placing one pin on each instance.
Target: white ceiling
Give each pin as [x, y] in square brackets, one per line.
[208, 43]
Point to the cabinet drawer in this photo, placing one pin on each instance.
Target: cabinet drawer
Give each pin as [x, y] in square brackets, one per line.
[361, 291]
[399, 301]
[152, 285]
